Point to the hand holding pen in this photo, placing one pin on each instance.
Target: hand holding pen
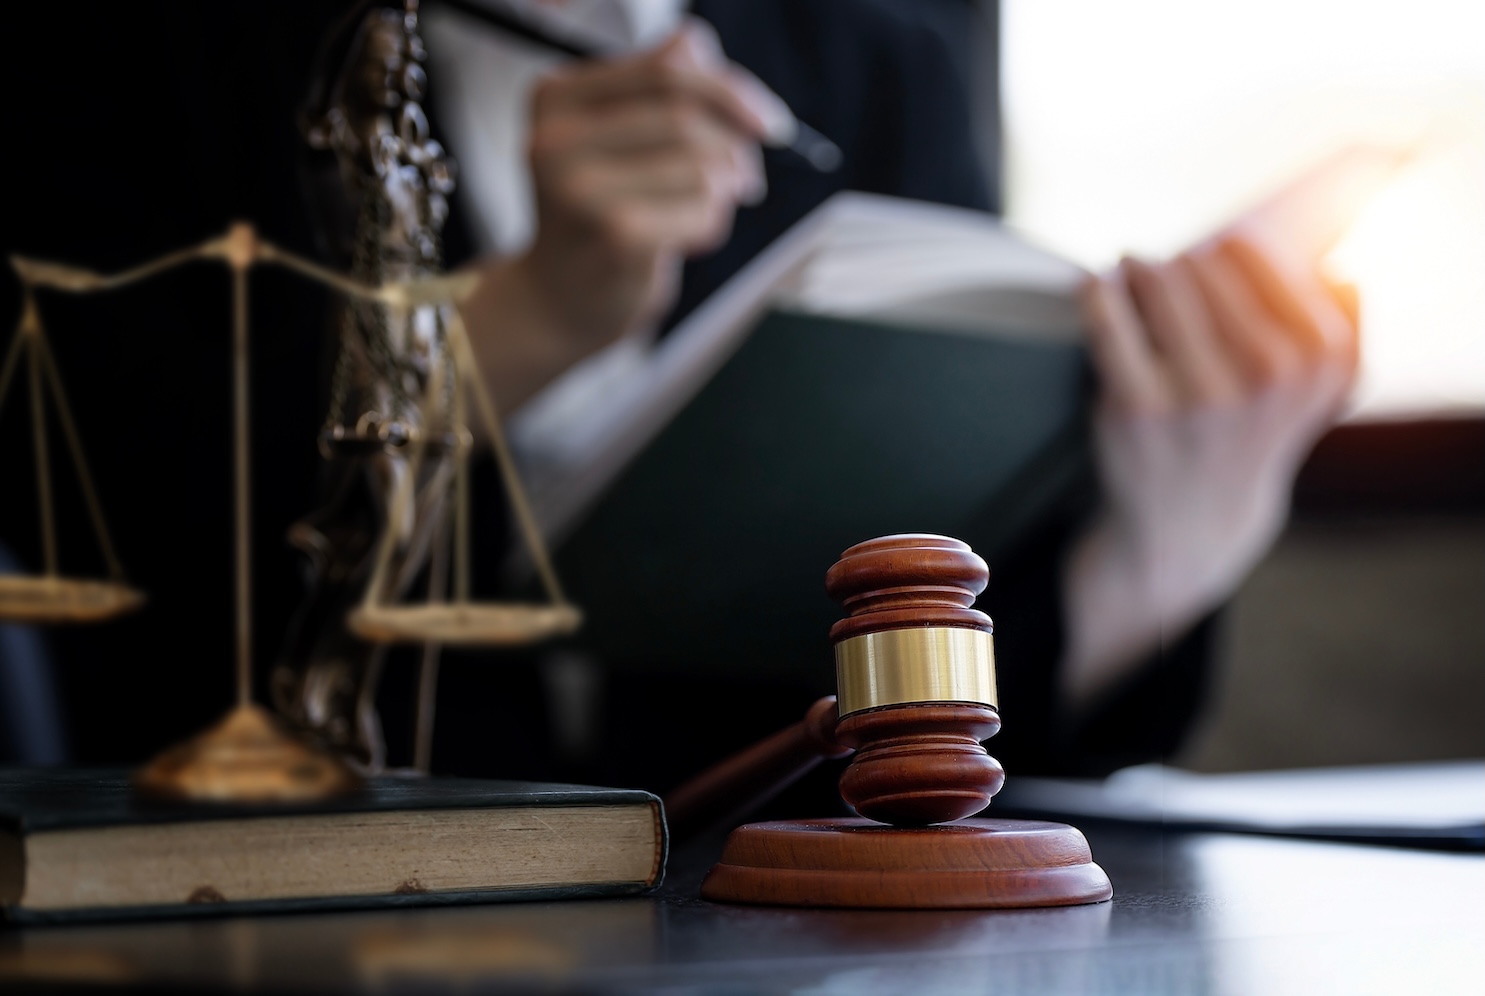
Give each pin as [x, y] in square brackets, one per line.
[801, 144]
[636, 162]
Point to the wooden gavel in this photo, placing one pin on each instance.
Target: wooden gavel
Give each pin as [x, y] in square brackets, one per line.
[915, 669]
[915, 672]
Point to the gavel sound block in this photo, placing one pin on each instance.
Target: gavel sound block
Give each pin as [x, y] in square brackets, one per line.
[916, 674]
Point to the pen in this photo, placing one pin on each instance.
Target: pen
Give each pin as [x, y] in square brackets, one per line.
[797, 138]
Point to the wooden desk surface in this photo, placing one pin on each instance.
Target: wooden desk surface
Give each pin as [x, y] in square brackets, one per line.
[1191, 914]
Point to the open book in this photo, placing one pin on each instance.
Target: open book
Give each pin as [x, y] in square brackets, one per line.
[886, 366]
[865, 256]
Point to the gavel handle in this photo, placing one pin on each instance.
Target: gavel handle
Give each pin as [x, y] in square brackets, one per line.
[751, 777]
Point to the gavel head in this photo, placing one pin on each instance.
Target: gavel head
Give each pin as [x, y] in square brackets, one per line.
[915, 670]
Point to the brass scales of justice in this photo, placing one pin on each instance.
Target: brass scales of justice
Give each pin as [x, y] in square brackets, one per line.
[401, 390]
[248, 756]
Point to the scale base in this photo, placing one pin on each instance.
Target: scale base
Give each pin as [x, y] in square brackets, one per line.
[246, 758]
[858, 864]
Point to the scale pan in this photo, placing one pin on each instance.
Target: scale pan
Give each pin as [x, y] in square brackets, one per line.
[464, 623]
[28, 598]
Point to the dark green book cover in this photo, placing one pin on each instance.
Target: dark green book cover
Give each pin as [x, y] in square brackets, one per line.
[710, 549]
[35, 803]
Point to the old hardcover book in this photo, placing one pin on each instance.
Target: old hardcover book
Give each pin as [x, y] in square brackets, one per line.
[82, 844]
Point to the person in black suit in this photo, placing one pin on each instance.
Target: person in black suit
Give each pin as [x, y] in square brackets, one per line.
[1218, 366]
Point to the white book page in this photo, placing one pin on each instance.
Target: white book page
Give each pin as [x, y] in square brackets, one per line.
[946, 267]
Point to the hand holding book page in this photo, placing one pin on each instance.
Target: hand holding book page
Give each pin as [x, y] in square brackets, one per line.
[1219, 369]
[636, 162]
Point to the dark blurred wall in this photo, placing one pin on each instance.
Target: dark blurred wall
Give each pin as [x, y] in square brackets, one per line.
[135, 129]
[1360, 639]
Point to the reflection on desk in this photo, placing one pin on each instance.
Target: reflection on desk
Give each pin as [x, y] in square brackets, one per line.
[1193, 913]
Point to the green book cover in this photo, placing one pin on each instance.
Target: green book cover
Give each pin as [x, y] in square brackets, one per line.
[710, 547]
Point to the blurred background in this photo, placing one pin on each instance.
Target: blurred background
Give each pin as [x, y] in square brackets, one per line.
[1139, 127]
[1107, 128]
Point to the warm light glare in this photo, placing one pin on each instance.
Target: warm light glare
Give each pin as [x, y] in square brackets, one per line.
[1418, 255]
[1144, 125]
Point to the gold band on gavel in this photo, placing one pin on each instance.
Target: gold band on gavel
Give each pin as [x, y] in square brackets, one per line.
[932, 664]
